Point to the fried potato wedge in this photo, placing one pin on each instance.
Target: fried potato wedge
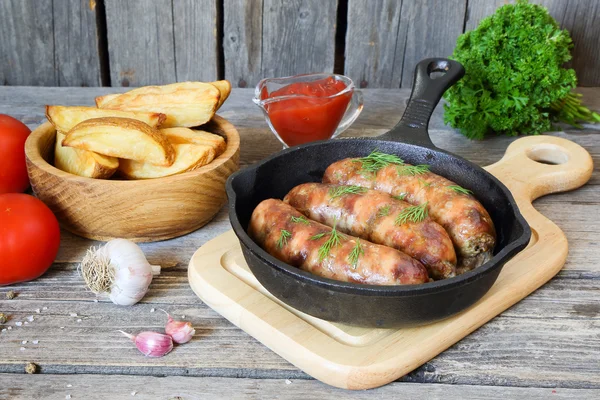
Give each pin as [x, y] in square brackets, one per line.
[193, 136]
[64, 118]
[83, 162]
[224, 87]
[185, 103]
[188, 158]
[122, 138]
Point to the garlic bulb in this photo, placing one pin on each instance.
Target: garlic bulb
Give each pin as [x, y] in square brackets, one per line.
[119, 268]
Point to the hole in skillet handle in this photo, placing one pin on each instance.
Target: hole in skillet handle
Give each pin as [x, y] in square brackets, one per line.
[432, 77]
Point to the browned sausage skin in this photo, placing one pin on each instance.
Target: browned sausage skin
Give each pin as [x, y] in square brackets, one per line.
[372, 215]
[288, 236]
[468, 223]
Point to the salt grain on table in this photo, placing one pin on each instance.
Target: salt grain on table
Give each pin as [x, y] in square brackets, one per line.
[18, 323]
[26, 322]
[4, 330]
[30, 318]
[22, 348]
[79, 320]
[44, 308]
[35, 342]
[68, 396]
[287, 381]
[9, 328]
[37, 310]
[24, 342]
[133, 393]
[73, 314]
[69, 385]
[152, 310]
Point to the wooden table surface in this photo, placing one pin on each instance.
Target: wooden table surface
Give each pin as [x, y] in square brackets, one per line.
[547, 346]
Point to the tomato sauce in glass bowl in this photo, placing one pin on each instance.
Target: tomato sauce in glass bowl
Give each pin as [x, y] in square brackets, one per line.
[306, 108]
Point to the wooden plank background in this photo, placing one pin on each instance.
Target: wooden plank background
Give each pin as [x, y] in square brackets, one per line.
[138, 42]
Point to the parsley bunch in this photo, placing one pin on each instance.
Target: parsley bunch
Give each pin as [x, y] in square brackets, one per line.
[515, 82]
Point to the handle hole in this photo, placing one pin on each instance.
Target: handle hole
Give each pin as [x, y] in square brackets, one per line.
[548, 154]
[437, 69]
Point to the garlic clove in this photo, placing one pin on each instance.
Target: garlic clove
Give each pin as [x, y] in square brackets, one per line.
[151, 344]
[181, 331]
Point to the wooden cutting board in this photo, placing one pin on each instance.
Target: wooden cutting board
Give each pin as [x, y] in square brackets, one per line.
[362, 358]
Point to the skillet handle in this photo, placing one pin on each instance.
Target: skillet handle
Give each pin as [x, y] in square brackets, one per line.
[426, 94]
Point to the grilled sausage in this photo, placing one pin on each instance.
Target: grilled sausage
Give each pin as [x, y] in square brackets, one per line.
[303, 243]
[468, 223]
[372, 215]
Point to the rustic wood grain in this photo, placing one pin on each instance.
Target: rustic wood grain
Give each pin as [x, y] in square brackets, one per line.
[580, 17]
[76, 43]
[298, 37]
[547, 340]
[427, 29]
[371, 42]
[27, 44]
[242, 41]
[196, 52]
[118, 387]
[140, 42]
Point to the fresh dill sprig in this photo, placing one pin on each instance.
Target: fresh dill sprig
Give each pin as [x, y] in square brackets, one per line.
[300, 220]
[318, 236]
[459, 189]
[334, 240]
[283, 238]
[401, 196]
[377, 160]
[412, 214]
[356, 252]
[412, 169]
[384, 211]
[338, 191]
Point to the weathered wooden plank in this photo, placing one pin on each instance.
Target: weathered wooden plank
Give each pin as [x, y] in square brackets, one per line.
[76, 43]
[117, 387]
[27, 45]
[298, 37]
[580, 17]
[195, 26]
[242, 41]
[371, 42]
[140, 42]
[427, 29]
[545, 351]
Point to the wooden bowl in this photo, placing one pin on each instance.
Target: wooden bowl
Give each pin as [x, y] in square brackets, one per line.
[139, 210]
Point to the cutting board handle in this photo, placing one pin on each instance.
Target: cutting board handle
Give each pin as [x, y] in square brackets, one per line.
[535, 166]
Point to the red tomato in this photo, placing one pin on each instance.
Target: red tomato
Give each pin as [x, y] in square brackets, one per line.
[29, 238]
[13, 173]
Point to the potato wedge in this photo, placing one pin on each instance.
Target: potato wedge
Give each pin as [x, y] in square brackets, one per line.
[224, 87]
[83, 162]
[185, 103]
[64, 118]
[188, 158]
[122, 138]
[193, 136]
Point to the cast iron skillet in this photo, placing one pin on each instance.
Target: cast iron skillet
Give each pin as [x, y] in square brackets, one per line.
[378, 306]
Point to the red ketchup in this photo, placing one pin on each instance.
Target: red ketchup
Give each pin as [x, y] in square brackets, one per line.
[313, 115]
